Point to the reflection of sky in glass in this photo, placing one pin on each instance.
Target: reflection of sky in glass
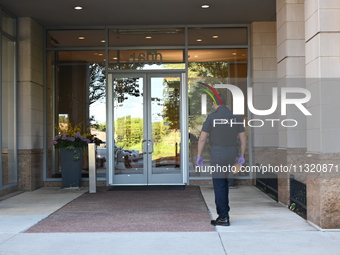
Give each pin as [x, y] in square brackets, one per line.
[153, 67]
[98, 110]
[135, 104]
[132, 106]
[157, 92]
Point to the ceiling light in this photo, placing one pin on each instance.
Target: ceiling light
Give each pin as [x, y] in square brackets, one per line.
[148, 37]
[102, 41]
[100, 54]
[199, 40]
[234, 54]
[115, 58]
[215, 36]
[81, 37]
[78, 7]
[205, 6]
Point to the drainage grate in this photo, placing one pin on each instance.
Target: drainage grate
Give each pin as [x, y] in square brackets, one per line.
[298, 197]
[267, 182]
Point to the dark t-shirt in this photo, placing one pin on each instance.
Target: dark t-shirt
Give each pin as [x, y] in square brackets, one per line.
[223, 127]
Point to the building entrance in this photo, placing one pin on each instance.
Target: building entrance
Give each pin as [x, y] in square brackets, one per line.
[145, 131]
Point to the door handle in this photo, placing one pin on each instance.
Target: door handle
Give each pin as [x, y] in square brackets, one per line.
[150, 143]
[143, 146]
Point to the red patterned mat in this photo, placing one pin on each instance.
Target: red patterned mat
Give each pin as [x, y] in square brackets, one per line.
[131, 211]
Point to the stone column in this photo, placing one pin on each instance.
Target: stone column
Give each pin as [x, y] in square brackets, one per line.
[291, 73]
[30, 104]
[264, 73]
[322, 23]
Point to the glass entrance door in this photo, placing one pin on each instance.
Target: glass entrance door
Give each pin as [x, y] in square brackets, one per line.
[144, 142]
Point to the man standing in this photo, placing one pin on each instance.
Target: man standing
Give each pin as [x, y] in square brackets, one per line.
[223, 128]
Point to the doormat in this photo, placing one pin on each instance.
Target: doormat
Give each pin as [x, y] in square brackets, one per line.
[148, 187]
[131, 211]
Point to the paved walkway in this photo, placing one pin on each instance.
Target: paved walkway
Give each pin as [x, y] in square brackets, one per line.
[259, 225]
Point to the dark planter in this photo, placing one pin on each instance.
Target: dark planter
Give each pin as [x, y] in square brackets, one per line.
[71, 168]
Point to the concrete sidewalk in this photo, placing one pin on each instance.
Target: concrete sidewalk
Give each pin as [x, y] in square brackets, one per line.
[259, 225]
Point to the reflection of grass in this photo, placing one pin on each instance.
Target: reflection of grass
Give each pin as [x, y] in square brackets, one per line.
[167, 146]
[164, 148]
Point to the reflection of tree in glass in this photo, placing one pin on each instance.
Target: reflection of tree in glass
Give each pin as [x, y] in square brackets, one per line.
[217, 70]
[97, 89]
[129, 131]
[63, 118]
[159, 131]
[125, 66]
[171, 103]
[124, 87]
[207, 72]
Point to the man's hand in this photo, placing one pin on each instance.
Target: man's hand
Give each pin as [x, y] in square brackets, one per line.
[241, 160]
[199, 161]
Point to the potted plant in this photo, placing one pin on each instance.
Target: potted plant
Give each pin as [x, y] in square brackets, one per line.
[71, 145]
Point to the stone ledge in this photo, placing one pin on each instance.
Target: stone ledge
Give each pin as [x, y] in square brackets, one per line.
[10, 190]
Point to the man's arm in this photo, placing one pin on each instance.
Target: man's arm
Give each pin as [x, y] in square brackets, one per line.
[243, 140]
[201, 142]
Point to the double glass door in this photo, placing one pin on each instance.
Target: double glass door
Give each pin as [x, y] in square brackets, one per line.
[146, 132]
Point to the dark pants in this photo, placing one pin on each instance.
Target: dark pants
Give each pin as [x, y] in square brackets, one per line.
[221, 157]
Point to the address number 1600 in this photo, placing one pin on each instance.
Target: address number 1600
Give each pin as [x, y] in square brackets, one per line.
[147, 59]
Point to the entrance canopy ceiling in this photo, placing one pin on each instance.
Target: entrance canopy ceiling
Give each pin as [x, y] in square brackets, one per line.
[53, 13]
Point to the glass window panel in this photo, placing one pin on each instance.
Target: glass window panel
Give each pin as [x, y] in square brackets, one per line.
[81, 57]
[97, 112]
[8, 24]
[217, 36]
[129, 125]
[218, 55]
[147, 37]
[9, 173]
[80, 92]
[213, 67]
[75, 38]
[146, 59]
[165, 125]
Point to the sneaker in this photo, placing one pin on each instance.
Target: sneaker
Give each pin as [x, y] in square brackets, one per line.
[220, 222]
